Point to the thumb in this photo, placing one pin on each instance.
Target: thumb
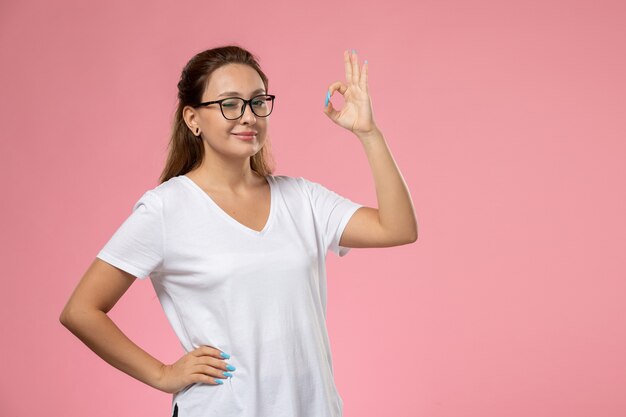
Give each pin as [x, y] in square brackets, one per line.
[331, 112]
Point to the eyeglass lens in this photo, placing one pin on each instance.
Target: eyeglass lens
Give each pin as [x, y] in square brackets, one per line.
[261, 106]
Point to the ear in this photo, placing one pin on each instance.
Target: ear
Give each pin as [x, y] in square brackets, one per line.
[189, 116]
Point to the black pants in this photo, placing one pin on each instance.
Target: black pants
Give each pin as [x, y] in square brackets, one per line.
[175, 411]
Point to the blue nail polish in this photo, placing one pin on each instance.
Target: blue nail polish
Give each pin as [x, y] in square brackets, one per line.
[366, 61]
[219, 381]
[354, 51]
[228, 374]
[230, 367]
[225, 355]
[327, 98]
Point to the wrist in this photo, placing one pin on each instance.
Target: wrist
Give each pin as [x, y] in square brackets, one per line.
[375, 132]
[159, 381]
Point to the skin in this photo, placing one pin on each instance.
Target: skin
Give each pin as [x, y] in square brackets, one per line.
[226, 176]
[393, 223]
[225, 172]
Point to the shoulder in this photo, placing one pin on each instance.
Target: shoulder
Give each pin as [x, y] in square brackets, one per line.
[293, 182]
[295, 186]
[168, 190]
[167, 194]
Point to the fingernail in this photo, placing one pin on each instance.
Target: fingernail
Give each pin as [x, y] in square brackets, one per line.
[219, 381]
[327, 98]
[225, 355]
[230, 367]
[366, 61]
[228, 374]
[354, 51]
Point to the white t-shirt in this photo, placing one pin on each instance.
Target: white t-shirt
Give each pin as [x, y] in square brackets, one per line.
[258, 296]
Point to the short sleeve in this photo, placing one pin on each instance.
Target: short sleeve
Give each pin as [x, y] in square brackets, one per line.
[332, 212]
[137, 245]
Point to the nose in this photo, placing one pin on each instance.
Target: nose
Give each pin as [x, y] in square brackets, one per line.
[248, 115]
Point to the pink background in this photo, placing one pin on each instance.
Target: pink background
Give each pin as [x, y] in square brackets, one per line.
[507, 120]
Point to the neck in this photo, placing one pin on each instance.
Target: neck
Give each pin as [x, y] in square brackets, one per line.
[234, 175]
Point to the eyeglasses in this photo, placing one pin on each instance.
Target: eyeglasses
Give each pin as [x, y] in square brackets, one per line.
[234, 107]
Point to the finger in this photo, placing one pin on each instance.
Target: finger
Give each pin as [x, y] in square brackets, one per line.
[214, 362]
[213, 376]
[363, 82]
[330, 109]
[205, 379]
[209, 351]
[338, 86]
[355, 68]
[211, 371]
[331, 112]
[348, 65]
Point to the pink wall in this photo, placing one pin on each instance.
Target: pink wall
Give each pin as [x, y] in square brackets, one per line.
[506, 119]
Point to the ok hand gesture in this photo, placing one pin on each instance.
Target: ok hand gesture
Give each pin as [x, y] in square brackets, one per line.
[356, 114]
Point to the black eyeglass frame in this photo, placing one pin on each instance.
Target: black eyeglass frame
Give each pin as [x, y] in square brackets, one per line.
[243, 108]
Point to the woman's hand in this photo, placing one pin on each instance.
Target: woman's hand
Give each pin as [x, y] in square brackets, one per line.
[204, 364]
[356, 114]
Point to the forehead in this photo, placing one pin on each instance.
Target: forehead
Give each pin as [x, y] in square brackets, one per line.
[234, 77]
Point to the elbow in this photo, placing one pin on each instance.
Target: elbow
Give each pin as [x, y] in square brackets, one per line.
[75, 315]
[412, 238]
[401, 239]
[404, 240]
[64, 318]
[68, 316]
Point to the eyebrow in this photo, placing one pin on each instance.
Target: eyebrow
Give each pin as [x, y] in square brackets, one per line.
[258, 90]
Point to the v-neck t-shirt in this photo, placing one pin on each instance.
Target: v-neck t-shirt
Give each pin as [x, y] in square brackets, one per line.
[259, 296]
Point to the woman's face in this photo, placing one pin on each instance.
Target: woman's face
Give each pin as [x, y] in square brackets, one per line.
[231, 80]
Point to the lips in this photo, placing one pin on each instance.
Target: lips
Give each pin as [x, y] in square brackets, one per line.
[247, 137]
[246, 134]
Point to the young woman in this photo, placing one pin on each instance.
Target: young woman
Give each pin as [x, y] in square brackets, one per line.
[236, 254]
